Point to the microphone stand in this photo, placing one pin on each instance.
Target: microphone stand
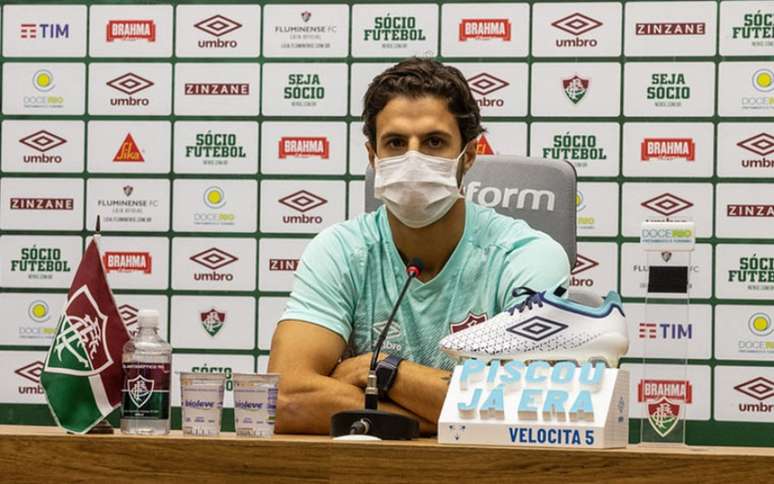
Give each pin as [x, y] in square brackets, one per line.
[370, 420]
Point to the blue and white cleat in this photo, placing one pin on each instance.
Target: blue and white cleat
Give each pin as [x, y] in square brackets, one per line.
[546, 327]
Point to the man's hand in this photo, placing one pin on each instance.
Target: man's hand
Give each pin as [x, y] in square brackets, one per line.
[354, 371]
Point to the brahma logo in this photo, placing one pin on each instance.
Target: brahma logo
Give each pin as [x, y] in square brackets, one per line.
[304, 147]
[575, 88]
[665, 331]
[667, 204]
[519, 198]
[42, 141]
[44, 31]
[129, 315]
[129, 84]
[213, 321]
[536, 328]
[128, 152]
[217, 89]
[41, 203]
[131, 30]
[749, 210]
[213, 259]
[668, 149]
[288, 265]
[760, 389]
[127, 262]
[484, 84]
[582, 264]
[483, 147]
[302, 201]
[670, 28]
[32, 373]
[576, 24]
[470, 320]
[664, 399]
[218, 26]
[761, 144]
[485, 29]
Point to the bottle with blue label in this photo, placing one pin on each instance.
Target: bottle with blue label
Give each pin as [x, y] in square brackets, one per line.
[147, 362]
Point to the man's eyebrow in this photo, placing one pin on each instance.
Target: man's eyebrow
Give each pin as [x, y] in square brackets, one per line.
[391, 134]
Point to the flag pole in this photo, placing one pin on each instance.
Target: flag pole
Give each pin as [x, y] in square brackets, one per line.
[103, 427]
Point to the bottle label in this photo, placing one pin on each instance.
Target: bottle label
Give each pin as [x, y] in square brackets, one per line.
[146, 390]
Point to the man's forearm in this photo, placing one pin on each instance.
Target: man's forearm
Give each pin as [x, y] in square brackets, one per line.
[420, 389]
[307, 407]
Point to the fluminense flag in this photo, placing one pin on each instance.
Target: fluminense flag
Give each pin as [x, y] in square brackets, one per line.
[83, 373]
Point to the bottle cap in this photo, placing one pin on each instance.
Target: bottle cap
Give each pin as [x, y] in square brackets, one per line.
[148, 318]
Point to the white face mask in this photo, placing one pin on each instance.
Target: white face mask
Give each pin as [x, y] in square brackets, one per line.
[417, 188]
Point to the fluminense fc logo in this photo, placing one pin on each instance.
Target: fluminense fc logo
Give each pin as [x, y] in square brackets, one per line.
[212, 321]
[80, 347]
[575, 88]
[140, 390]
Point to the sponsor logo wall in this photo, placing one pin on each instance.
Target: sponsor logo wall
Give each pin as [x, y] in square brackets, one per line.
[214, 141]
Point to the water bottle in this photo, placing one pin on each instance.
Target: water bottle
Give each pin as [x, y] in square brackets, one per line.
[147, 362]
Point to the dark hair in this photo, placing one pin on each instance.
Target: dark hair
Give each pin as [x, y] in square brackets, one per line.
[414, 78]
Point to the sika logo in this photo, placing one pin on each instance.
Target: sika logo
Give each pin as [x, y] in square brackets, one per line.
[128, 152]
[213, 259]
[32, 373]
[750, 210]
[302, 201]
[576, 25]
[483, 147]
[304, 147]
[582, 264]
[218, 26]
[666, 331]
[575, 88]
[484, 84]
[667, 204]
[129, 84]
[485, 29]
[42, 141]
[668, 149]
[18, 203]
[286, 265]
[129, 316]
[760, 389]
[131, 30]
[670, 28]
[127, 262]
[44, 31]
[212, 321]
[217, 89]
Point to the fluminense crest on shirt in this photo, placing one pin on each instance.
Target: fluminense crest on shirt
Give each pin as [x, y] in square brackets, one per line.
[471, 319]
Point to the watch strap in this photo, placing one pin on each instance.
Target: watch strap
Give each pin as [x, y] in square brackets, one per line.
[386, 371]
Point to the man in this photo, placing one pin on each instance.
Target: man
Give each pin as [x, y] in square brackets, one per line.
[422, 125]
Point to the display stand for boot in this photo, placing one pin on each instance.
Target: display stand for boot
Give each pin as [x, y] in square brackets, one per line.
[664, 390]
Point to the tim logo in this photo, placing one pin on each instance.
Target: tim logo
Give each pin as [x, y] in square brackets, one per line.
[485, 29]
[44, 31]
[302, 201]
[666, 331]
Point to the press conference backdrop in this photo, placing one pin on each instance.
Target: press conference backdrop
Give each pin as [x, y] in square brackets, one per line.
[215, 140]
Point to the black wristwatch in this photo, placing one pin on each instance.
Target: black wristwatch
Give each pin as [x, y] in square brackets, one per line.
[386, 371]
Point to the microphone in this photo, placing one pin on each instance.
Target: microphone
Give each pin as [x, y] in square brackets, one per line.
[385, 425]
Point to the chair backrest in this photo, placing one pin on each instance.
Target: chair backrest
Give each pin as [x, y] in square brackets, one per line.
[539, 191]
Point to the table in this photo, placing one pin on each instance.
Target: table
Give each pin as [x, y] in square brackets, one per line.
[46, 454]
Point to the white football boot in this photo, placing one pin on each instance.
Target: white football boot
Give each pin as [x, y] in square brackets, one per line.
[546, 327]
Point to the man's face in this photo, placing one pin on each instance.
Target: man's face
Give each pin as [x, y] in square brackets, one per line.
[423, 124]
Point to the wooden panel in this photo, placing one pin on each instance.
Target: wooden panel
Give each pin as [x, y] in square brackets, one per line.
[46, 454]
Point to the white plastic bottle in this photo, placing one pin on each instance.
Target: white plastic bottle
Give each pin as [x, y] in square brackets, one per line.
[147, 362]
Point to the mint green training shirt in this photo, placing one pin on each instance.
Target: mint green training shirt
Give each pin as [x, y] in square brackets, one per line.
[350, 276]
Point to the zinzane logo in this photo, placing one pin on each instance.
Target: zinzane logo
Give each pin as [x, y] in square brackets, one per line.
[289, 265]
[519, 198]
[741, 210]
